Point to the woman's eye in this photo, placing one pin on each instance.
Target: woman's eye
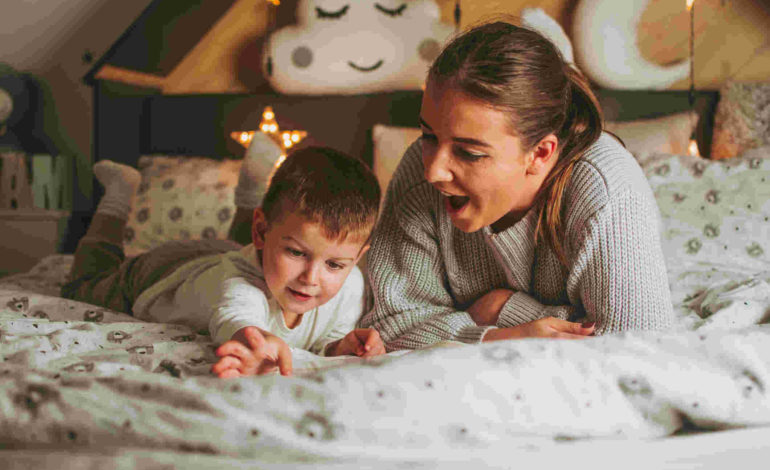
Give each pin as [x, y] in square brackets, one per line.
[331, 15]
[391, 12]
[467, 155]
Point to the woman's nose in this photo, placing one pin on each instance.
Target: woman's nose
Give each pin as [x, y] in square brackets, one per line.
[436, 167]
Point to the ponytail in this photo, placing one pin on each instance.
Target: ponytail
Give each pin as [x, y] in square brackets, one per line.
[582, 127]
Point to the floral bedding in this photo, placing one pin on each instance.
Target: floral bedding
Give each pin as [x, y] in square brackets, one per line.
[83, 378]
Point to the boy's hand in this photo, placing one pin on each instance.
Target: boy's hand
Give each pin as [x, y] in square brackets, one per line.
[252, 351]
[361, 342]
[486, 309]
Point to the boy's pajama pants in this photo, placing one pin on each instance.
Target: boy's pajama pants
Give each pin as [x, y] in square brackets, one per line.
[102, 275]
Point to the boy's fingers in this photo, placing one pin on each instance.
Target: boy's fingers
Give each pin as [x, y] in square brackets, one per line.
[255, 338]
[284, 361]
[229, 374]
[227, 362]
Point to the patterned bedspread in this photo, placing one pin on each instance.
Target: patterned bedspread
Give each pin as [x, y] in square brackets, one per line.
[80, 377]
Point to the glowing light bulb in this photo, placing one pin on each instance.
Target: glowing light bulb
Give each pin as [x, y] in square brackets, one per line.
[273, 127]
[692, 148]
[690, 3]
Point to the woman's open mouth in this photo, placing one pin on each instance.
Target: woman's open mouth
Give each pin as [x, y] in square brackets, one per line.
[299, 295]
[455, 204]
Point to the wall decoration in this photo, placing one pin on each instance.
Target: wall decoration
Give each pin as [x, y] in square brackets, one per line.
[284, 139]
[604, 37]
[352, 47]
[538, 19]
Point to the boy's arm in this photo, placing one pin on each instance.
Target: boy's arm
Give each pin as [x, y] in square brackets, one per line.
[241, 304]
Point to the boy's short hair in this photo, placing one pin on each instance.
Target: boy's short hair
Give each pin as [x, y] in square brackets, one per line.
[330, 188]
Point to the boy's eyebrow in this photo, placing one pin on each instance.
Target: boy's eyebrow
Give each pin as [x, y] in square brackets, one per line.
[462, 140]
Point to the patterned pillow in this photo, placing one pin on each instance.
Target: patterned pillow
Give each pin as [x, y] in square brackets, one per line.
[742, 119]
[181, 198]
[716, 212]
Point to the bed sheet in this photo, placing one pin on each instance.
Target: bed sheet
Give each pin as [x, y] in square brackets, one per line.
[79, 378]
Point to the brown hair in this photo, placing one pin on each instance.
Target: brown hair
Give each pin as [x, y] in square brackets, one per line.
[328, 187]
[522, 74]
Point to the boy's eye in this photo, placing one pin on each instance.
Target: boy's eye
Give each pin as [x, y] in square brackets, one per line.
[331, 15]
[294, 252]
[334, 265]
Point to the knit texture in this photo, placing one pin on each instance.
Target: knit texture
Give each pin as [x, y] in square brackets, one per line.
[423, 272]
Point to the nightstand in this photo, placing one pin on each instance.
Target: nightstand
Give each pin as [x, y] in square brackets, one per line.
[27, 235]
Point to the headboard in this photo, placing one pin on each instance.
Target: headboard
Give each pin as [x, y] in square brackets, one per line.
[130, 122]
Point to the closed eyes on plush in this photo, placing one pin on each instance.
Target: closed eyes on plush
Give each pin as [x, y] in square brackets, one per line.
[331, 15]
[391, 12]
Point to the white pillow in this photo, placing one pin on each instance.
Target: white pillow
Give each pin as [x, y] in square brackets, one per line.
[647, 137]
[390, 143]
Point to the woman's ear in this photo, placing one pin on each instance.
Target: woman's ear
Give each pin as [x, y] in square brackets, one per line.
[258, 228]
[544, 155]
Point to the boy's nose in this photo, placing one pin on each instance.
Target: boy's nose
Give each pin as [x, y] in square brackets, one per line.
[310, 274]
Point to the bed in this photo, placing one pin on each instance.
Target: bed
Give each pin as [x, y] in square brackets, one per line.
[87, 387]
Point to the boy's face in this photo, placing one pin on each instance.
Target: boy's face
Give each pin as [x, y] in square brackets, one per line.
[303, 269]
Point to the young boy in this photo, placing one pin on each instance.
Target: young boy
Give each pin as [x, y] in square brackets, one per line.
[295, 285]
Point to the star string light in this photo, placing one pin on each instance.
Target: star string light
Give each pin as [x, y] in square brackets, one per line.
[284, 139]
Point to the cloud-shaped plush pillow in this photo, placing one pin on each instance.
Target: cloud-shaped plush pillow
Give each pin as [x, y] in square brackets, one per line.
[355, 46]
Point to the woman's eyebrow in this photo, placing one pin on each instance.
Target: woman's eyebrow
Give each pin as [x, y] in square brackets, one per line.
[462, 140]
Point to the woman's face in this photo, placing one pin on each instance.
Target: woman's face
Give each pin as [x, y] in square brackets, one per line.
[472, 158]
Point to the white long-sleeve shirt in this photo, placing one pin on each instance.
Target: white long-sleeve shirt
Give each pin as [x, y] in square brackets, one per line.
[424, 272]
[226, 292]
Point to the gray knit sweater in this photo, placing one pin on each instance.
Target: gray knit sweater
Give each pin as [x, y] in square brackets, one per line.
[423, 272]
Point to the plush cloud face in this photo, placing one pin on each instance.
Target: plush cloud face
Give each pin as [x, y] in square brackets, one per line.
[355, 46]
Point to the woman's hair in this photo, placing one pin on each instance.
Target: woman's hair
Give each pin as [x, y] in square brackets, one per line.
[335, 190]
[522, 74]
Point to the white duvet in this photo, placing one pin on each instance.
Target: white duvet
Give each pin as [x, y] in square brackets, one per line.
[75, 376]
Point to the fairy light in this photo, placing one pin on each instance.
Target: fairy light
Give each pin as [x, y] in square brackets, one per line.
[692, 147]
[285, 139]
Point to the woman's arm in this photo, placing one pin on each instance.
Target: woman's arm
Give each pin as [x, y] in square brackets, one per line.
[412, 307]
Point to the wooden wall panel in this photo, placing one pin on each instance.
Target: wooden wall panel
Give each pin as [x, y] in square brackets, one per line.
[730, 41]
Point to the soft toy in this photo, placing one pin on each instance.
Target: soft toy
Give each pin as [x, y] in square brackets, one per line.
[604, 36]
[355, 46]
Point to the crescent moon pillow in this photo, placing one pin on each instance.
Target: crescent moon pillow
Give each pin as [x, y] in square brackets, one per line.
[355, 46]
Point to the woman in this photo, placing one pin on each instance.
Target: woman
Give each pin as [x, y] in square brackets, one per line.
[513, 213]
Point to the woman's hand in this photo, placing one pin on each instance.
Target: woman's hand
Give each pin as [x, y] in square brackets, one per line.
[252, 351]
[548, 327]
[486, 309]
[361, 342]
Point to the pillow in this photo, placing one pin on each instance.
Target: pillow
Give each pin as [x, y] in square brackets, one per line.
[181, 198]
[390, 143]
[349, 48]
[742, 119]
[715, 212]
[647, 137]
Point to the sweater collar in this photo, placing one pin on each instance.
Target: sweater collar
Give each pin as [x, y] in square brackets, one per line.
[514, 249]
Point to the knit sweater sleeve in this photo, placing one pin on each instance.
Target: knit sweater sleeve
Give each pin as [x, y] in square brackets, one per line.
[412, 306]
[616, 274]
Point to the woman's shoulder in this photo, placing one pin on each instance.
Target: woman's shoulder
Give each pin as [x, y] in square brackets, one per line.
[606, 171]
[408, 183]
